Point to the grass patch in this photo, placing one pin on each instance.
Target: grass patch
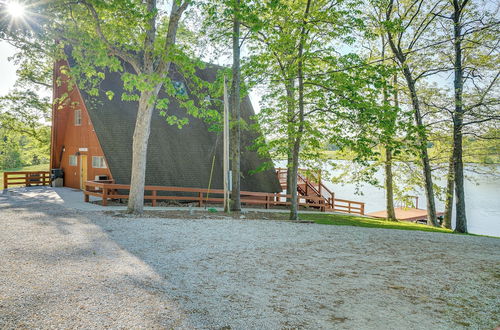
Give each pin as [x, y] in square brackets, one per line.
[350, 220]
[40, 167]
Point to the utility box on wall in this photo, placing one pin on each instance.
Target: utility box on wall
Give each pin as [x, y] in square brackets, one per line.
[57, 177]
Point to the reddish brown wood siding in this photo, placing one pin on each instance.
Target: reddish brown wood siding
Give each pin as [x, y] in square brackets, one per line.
[69, 139]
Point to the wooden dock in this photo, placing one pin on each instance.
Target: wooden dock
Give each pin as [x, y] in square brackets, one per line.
[405, 214]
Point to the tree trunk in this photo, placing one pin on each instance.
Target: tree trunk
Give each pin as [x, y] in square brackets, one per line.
[294, 215]
[422, 136]
[293, 169]
[146, 105]
[389, 182]
[391, 215]
[235, 114]
[294, 207]
[289, 165]
[458, 115]
[448, 206]
[139, 151]
[289, 86]
[461, 218]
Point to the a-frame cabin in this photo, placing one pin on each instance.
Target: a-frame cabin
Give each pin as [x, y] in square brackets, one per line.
[92, 139]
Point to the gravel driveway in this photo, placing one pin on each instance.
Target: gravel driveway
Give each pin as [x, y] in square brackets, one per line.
[67, 268]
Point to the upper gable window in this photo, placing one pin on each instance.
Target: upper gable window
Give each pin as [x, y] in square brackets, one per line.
[78, 117]
[98, 162]
[180, 88]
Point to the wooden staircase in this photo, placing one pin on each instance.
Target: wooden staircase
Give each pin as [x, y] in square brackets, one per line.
[309, 184]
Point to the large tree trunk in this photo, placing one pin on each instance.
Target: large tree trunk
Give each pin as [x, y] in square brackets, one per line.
[139, 151]
[461, 218]
[458, 115]
[448, 204]
[235, 114]
[146, 105]
[424, 155]
[389, 191]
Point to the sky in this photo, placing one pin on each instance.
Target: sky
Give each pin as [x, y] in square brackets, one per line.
[7, 68]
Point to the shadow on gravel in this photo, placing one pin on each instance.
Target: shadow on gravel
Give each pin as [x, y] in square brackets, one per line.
[258, 274]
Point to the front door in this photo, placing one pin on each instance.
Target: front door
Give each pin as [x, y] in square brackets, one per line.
[83, 171]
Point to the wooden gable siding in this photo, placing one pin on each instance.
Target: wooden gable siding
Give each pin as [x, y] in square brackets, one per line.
[69, 139]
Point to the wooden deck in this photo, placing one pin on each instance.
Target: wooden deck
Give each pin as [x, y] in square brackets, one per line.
[405, 214]
[26, 178]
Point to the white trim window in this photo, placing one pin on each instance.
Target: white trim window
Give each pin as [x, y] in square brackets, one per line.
[98, 162]
[78, 117]
[73, 160]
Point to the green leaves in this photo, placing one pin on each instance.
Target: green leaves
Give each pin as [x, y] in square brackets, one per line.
[24, 129]
[110, 94]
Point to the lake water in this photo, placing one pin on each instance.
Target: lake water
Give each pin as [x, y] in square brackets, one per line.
[482, 199]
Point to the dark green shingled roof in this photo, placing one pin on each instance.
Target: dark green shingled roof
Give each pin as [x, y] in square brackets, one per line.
[176, 157]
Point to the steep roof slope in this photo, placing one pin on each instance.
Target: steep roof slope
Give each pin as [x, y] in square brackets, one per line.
[176, 157]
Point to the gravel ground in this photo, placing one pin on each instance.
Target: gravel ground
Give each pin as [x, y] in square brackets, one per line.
[67, 268]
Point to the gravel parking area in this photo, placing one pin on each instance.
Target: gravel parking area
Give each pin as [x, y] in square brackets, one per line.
[66, 268]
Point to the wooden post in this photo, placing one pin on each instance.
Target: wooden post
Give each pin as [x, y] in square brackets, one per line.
[319, 183]
[267, 201]
[5, 184]
[86, 198]
[226, 149]
[200, 203]
[153, 200]
[104, 196]
[362, 208]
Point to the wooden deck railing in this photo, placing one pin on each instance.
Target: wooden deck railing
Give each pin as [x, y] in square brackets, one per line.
[106, 191]
[309, 184]
[343, 205]
[26, 178]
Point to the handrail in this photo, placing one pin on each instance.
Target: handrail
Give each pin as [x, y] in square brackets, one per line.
[334, 204]
[26, 178]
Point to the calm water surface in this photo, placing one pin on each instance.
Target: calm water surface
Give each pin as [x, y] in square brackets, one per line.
[482, 198]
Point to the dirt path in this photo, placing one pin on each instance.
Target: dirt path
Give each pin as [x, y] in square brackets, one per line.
[63, 268]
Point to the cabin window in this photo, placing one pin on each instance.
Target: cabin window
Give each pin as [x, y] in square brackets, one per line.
[73, 160]
[180, 88]
[98, 162]
[78, 117]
